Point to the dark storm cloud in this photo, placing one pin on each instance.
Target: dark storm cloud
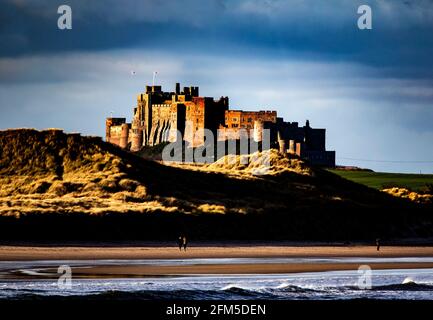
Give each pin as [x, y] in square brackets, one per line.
[327, 30]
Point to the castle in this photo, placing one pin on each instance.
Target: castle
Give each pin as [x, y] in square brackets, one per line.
[159, 115]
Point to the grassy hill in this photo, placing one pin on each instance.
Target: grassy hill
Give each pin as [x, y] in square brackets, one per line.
[60, 186]
[381, 180]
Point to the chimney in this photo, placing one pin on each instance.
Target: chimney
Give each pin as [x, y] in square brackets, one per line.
[177, 88]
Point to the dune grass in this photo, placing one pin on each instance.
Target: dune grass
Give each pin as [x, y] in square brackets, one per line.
[52, 172]
[55, 182]
[252, 166]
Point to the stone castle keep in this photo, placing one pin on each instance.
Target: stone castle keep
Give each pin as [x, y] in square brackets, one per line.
[159, 115]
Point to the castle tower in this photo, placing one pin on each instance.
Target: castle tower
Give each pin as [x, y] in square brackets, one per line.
[136, 139]
[258, 130]
[292, 147]
[124, 135]
[108, 124]
[112, 134]
[281, 143]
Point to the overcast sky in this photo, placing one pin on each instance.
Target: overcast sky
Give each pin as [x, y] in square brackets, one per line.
[371, 89]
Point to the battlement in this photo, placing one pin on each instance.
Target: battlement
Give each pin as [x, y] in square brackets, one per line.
[153, 89]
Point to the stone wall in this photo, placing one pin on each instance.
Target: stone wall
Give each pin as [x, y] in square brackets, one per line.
[160, 125]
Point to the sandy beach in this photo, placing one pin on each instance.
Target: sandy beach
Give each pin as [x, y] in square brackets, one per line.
[13, 253]
[18, 253]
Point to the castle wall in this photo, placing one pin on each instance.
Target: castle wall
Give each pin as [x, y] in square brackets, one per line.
[234, 134]
[113, 130]
[114, 135]
[177, 121]
[246, 119]
[316, 139]
[160, 126]
[195, 121]
[320, 158]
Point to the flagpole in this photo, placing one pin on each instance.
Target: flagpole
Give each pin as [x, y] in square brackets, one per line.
[154, 76]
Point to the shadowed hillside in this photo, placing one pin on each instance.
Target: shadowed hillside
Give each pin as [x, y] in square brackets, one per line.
[59, 186]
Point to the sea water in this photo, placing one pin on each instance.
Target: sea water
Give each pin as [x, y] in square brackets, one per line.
[413, 284]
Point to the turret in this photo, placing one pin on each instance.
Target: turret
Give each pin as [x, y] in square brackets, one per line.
[258, 130]
[124, 135]
[292, 147]
[136, 139]
[281, 143]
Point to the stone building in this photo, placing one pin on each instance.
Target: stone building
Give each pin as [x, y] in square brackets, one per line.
[159, 116]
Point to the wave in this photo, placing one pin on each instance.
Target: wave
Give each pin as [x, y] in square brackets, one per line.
[244, 292]
[286, 287]
[407, 286]
[230, 294]
[281, 292]
[234, 291]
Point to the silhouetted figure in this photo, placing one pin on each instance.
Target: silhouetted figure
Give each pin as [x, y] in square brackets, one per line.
[180, 242]
[377, 244]
[184, 242]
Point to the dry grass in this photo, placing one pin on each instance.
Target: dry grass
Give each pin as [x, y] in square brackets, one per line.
[252, 166]
[49, 179]
[52, 172]
[411, 195]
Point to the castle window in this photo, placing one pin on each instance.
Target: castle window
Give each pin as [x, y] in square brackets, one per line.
[249, 119]
[234, 119]
[234, 125]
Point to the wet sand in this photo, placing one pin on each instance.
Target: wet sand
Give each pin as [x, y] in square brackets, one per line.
[259, 268]
[16, 253]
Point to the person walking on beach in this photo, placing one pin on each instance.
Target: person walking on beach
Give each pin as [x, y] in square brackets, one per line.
[180, 242]
[184, 242]
[378, 244]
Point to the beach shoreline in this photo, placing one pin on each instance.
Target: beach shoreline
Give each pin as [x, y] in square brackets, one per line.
[107, 270]
[29, 253]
